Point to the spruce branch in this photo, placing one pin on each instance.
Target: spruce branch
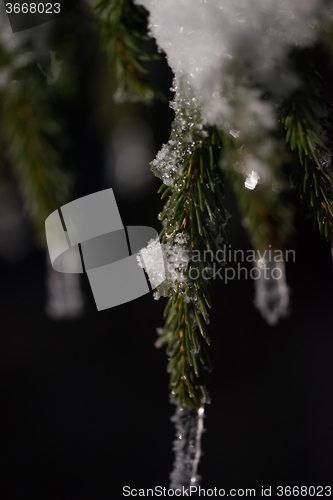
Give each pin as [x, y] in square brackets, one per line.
[309, 135]
[32, 133]
[194, 220]
[123, 25]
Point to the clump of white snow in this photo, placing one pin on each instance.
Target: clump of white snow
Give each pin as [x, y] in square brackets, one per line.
[187, 130]
[166, 263]
[221, 47]
[151, 259]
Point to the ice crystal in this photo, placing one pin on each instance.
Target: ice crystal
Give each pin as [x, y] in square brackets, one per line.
[187, 130]
[64, 296]
[252, 180]
[151, 258]
[271, 290]
[187, 447]
[170, 269]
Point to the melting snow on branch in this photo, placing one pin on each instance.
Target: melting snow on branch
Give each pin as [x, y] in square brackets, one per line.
[187, 128]
[220, 46]
[218, 50]
[172, 267]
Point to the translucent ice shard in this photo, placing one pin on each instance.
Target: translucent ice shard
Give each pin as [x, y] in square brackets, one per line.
[64, 295]
[271, 290]
[187, 447]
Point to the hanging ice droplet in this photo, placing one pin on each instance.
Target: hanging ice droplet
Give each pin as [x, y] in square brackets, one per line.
[271, 290]
[235, 133]
[252, 180]
[189, 425]
[64, 295]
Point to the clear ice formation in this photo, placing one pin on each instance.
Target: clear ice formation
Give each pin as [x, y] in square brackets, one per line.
[271, 291]
[187, 447]
[64, 295]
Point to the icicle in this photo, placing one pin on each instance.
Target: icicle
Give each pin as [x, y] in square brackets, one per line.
[15, 233]
[271, 290]
[64, 295]
[187, 447]
[128, 156]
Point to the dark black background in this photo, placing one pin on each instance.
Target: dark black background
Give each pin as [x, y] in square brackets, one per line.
[84, 403]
